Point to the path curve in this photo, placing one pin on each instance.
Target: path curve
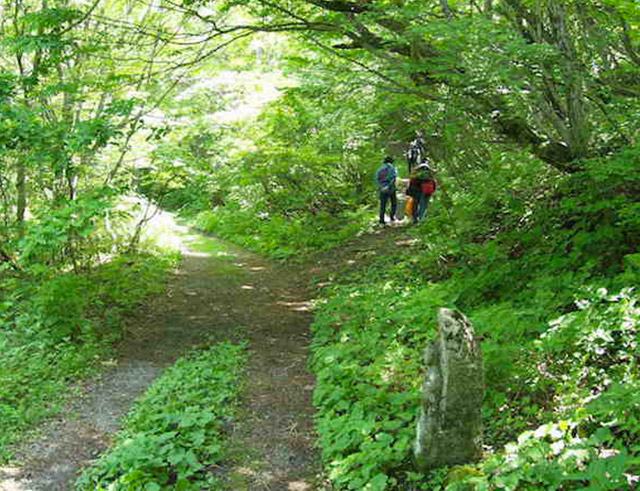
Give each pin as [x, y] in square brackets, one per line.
[223, 293]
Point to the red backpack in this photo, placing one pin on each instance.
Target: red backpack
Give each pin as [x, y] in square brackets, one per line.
[428, 187]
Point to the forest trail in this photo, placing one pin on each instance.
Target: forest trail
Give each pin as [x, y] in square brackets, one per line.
[218, 292]
[275, 442]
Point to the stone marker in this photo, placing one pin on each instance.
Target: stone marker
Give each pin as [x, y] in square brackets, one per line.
[450, 425]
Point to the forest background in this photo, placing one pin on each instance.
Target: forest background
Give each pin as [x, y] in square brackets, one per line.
[263, 123]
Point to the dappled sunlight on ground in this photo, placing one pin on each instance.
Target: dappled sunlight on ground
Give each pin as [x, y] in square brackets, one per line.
[159, 228]
[164, 230]
[407, 242]
[299, 486]
[202, 246]
[266, 479]
[8, 480]
[190, 253]
[296, 306]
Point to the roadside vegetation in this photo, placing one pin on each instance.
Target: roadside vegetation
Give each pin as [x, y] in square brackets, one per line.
[76, 258]
[561, 347]
[174, 436]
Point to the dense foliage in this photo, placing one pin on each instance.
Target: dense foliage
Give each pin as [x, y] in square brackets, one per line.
[173, 438]
[534, 140]
[579, 372]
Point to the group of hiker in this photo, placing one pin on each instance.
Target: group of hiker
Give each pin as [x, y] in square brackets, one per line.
[421, 184]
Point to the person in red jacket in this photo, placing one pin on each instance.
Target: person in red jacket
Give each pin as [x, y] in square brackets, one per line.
[422, 185]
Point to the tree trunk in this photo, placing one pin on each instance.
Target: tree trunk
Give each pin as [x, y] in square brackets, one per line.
[578, 130]
[446, 8]
[488, 7]
[21, 191]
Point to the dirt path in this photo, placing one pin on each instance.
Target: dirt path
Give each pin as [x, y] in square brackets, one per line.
[219, 292]
[274, 443]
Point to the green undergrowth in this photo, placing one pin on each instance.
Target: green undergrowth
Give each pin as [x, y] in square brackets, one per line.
[174, 436]
[56, 327]
[282, 237]
[547, 281]
[576, 381]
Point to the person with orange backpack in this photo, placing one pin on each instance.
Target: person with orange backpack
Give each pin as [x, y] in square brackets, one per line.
[422, 185]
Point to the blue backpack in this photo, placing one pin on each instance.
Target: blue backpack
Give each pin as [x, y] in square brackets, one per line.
[385, 178]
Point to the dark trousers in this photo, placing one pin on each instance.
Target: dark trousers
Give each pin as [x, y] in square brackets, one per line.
[420, 206]
[385, 197]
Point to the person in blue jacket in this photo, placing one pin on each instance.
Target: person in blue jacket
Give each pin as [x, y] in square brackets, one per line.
[386, 181]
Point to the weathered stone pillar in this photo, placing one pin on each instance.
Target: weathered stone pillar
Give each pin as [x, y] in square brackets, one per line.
[450, 425]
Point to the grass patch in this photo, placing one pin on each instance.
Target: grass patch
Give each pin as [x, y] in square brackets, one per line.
[284, 237]
[174, 436]
[209, 245]
[571, 426]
